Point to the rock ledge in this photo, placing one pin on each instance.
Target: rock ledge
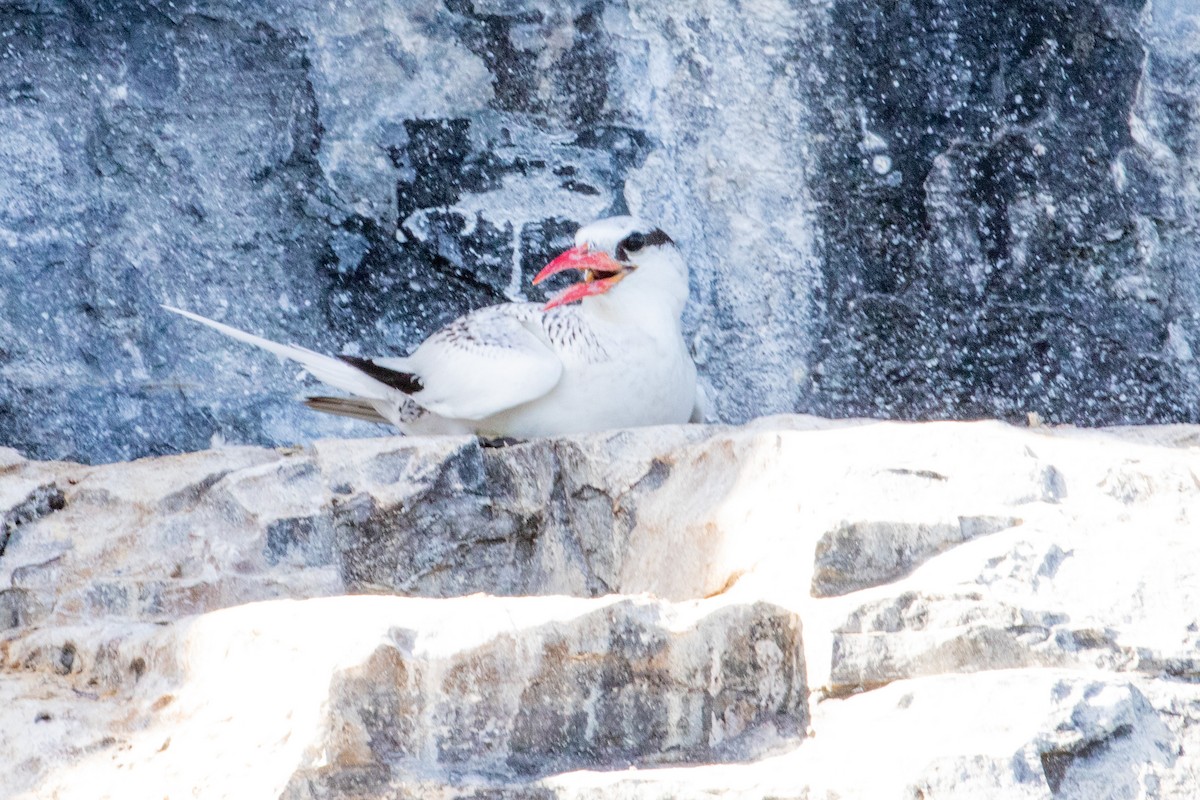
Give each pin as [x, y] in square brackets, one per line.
[794, 608]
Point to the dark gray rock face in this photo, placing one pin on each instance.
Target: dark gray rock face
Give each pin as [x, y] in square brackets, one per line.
[1008, 211]
[893, 209]
[517, 710]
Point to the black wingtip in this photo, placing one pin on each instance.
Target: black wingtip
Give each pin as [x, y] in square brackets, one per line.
[404, 381]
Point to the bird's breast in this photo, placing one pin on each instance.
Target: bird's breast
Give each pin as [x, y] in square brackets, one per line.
[642, 380]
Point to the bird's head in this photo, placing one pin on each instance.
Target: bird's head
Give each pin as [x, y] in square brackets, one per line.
[622, 251]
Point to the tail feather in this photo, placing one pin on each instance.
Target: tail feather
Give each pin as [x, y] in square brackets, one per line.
[347, 407]
[333, 371]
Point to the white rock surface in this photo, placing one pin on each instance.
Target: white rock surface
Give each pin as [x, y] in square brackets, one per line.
[987, 611]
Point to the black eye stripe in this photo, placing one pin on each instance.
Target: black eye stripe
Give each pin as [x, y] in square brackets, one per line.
[637, 241]
[658, 237]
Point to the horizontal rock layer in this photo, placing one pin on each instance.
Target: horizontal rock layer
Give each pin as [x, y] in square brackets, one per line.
[793, 608]
[367, 692]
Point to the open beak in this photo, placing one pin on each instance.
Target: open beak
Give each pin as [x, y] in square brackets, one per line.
[600, 273]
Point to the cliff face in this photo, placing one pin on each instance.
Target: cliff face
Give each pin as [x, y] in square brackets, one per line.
[892, 209]
[796, 608]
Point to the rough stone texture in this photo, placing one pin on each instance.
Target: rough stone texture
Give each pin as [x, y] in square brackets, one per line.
[892, 208]
[369, 691]
[987, 611]
[1021, 235]
[860, 554]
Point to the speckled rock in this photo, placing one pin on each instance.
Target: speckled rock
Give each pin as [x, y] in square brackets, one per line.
[891, 209]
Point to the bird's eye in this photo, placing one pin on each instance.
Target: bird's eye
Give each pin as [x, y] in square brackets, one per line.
[634, 242]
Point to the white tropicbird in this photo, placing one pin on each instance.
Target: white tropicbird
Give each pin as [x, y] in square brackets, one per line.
[615, 359]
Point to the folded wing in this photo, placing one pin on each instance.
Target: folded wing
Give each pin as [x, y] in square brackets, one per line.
[484, 363]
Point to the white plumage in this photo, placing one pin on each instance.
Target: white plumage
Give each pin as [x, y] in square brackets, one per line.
[614, 359]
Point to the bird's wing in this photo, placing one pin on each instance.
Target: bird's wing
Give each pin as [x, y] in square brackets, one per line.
[333, 371]
[484, 363]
